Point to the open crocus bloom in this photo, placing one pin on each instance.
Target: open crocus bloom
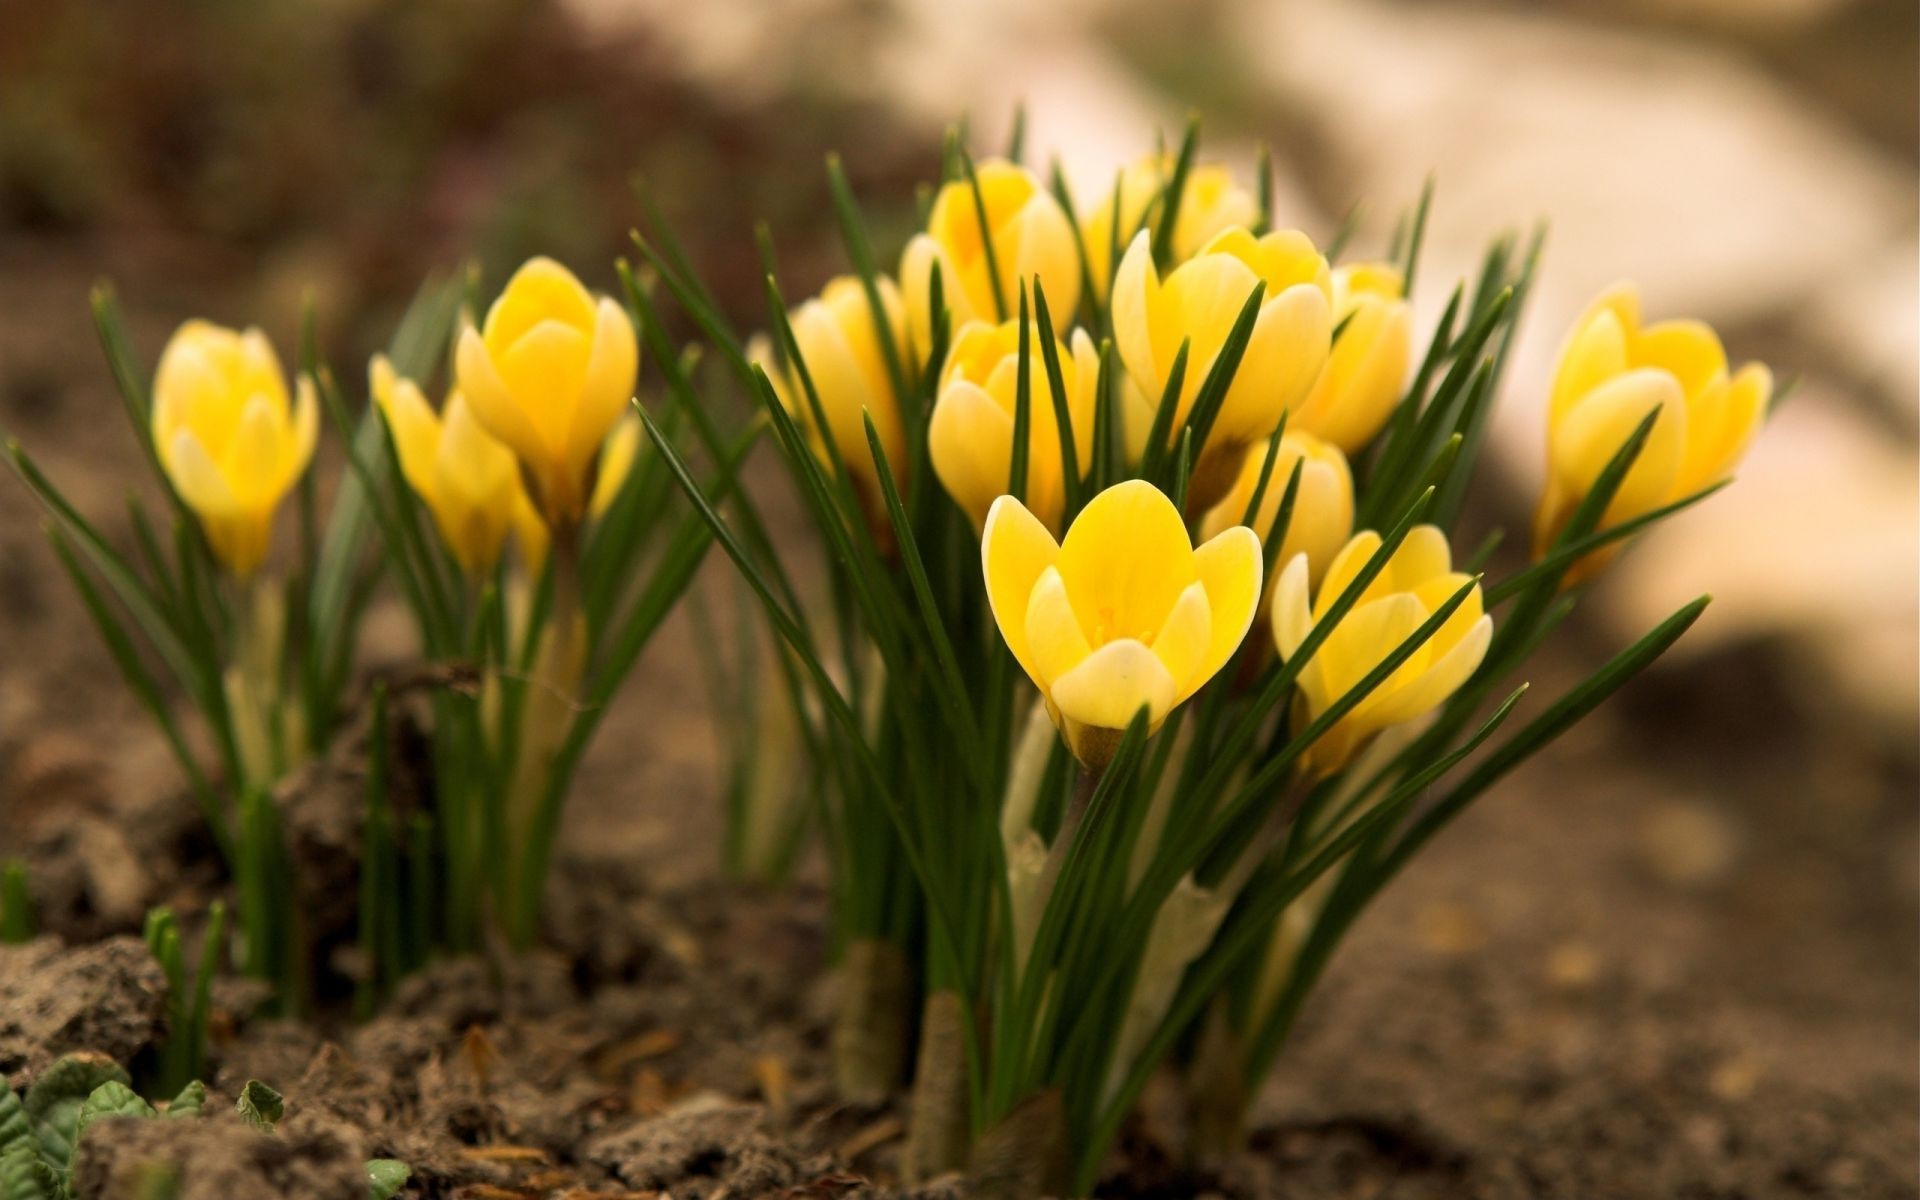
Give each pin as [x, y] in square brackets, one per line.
[1415, 583]
[468, 481]
[1124, 614]
[227, 437]
[1611, 374]
[548, 374]
[1031, 238]
[1198, 303]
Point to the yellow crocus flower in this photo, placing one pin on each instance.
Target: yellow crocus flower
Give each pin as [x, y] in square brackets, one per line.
[840, 345]
[1367, 369]
[227, 437]
[1031, 238]
[1322, 517]
[1611, 374]
[1212, 202]
[1198, 303]
[467, 480]
[1125, 613]
[970, 435]
[548, 373]
[1415, 583]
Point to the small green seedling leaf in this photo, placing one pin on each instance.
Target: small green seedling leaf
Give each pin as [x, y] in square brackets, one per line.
[110, 1099]
[386, 1176]
[15, 1129]
[55, 1099]
[191, 1101]
[260, 1106]
[24, 1176]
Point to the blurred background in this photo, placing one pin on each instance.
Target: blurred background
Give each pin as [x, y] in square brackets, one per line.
[1704, 899]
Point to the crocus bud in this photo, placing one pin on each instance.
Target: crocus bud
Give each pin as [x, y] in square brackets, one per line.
[1415, 583]
[468, 481]
[840, 346]
[227, 437]
[970, 438]
[1124, 614]
[548, 374]
[1611, 374]
[1210, 203]
[1322, 516]
[1030, 236]
[1198, 303]
[1367, 369]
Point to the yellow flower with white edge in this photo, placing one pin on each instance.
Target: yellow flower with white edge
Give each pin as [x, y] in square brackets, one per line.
[1030, 236]
[840, 346]
[1367, 369]
[970, 435]
[1123, 614]
[227, 437]
[1322, 516]
[548, 373]
[1197, 304]
[1416, 582]
[468, 481]
[1211, 202]
[1611, 374]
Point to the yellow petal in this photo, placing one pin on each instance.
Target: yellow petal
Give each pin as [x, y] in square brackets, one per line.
[1364, 374]
[607, 389]
[1198, 304]
[493, 406]
[1015, 549]
[306, 430]
[1184, 641]
[1442, 677]
[1362, 641]
[1284, 357]
[411, 424]
[544, 372]
[1422, 555]
[252, 465]
[1594, 430]
[1054, 637]
[1292, 615]
[1595, 353]
[1345, 567]
[1113, 684]
[916, 281]
[616, 462]
[1125, 560]
[970, 442]
[1136, 298]
[1721, 425]
[1688, 350]
[541, 290]
[1230, 570]
[197, 479]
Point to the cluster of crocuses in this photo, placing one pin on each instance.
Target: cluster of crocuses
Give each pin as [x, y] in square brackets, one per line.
[1193, 479]
[1140, 658]
[537, 438]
